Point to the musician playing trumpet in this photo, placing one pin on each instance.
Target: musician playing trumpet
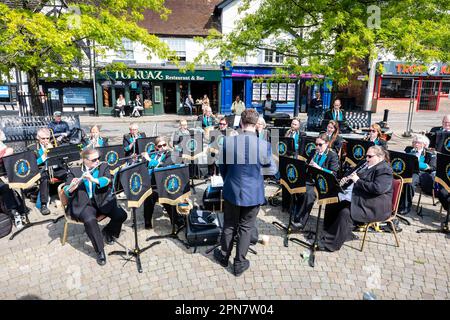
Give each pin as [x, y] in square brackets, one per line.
[324, 159]
[129, 140]
[95, 140]
[370, 200]
[89, 195]
[294, 132]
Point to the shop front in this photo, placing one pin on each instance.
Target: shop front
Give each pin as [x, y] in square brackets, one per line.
[162, 91]
[399, 83]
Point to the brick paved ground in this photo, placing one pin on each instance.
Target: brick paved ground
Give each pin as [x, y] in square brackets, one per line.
[35, 265]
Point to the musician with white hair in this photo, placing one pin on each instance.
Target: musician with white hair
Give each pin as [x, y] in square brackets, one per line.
[89, 194]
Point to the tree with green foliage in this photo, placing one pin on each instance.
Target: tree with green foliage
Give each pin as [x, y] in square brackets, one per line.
[45, 38]
[332, 37]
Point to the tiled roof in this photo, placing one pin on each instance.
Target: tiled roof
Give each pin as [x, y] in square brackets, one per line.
[188, 18]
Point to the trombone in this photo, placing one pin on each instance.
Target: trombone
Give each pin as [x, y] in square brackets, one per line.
[55, 142]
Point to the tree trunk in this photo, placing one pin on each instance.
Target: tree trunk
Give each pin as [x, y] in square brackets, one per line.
[37, 108]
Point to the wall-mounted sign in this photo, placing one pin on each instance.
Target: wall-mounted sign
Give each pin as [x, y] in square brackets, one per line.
[411, 69]
[163, 75]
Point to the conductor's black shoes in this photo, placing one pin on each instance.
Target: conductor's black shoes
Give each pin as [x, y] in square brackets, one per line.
[241, 268]
[44, 210]
[109, 239]
[101, 258]
[220, 258]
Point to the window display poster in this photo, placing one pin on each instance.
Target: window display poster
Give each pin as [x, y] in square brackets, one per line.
[54, 93]
[256, 93]
[264, 90]
[78, 96]
[4, 92]
[291, 92]
[282, 92]
[274, 91]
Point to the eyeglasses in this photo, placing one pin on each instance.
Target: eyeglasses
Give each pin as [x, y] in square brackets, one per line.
[93, 160]
[162, 145]
[370, 156]
[372, 130]
[45, 138]
[319, 144]
[222, 124]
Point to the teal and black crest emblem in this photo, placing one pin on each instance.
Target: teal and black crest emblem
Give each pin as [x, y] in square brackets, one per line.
[112, 158]
[282, 148]
[447, 144]
[135, 183]
[172, 184]
[358, 152]
[309, 148]
[291, 173]
[150, 147]
[322, 184]
[447, 171]
[22, 168]
[191, 145]
[398, 166]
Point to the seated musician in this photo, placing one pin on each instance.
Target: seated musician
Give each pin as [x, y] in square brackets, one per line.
[8, 197]
[425, 178]
[376, 136]
[183, 130]
[445, 124]
[335, 139]
[41, 148]
[294, 132]
[95, 140]
[89, 195]
[60, 128]
[261, 129]
[161, 158]
[368, 199]
[225, 131]
[129, 140]
[336, 113]
[325, 159]
[207, 119]
[439, 145]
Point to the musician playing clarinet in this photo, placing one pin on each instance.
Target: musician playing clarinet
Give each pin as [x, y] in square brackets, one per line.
[162, 157]
[325, 159]
[90, 195]
[368, 199]
[129, 140]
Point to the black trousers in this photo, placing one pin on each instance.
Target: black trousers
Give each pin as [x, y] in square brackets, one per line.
[304, 204]
[9, 199]
[426, 182]
[149, 208]
[240, 222]
[89, 219]
[338, 225]
[444, 198]
[44, 184]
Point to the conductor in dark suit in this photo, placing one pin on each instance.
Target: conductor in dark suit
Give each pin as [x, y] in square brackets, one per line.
[368, 199]
[89, 195]
[129, 140]
[245, 160]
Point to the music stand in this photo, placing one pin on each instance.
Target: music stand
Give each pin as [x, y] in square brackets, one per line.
[282, 122]
[172, 185]
[191, 150]
[293, 178]
[327, 188]
[442, 142]
[405, 165]
[136, 184]
[112, 156]
[30, 157]
[146, 144]
[356, 150]
[306, 147]
[442, 178]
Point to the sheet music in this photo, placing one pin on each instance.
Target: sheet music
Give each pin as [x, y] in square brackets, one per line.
[237, 120]
[216, 181]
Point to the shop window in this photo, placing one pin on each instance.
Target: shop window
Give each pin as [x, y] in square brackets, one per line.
[107, 97]
[127, 53]
[445, 89]
[270, 56]
[395, 88]
[177, 45]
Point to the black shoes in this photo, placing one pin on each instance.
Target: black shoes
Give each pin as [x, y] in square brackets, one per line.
[148, 225]
[101, 258]
[238, 271]
[297, 226]
[44, 210]
[109, 239]
[220, 258]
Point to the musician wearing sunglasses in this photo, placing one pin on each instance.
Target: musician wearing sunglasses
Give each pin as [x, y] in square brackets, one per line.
[161, 158]
[376, 136]
[41, 149]
[129, 140]
[89, 195]
[425, 177]
[95, 140]
[324, 158]
[369, 200]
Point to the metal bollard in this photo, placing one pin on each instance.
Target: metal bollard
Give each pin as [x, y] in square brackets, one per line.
[385, 116]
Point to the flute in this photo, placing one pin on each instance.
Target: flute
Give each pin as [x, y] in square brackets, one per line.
[77, 183]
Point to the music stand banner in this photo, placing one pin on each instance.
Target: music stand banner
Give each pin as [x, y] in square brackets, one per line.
[62, 155]
[136, 183]
[192, 146]
[443, 142]
[172, 184]
[112, 155]
[293, 174]
[216, 139]
[326, 186]
[146, 144]
[356, 150]
[443, 170]
[307, 146]
[403, 164]
[21, 169]
[284, 148]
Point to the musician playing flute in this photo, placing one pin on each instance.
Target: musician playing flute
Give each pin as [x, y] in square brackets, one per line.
[368, 199]
[89, 195]
[324, 158]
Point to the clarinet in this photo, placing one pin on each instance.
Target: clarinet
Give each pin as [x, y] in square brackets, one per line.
[345, 182]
